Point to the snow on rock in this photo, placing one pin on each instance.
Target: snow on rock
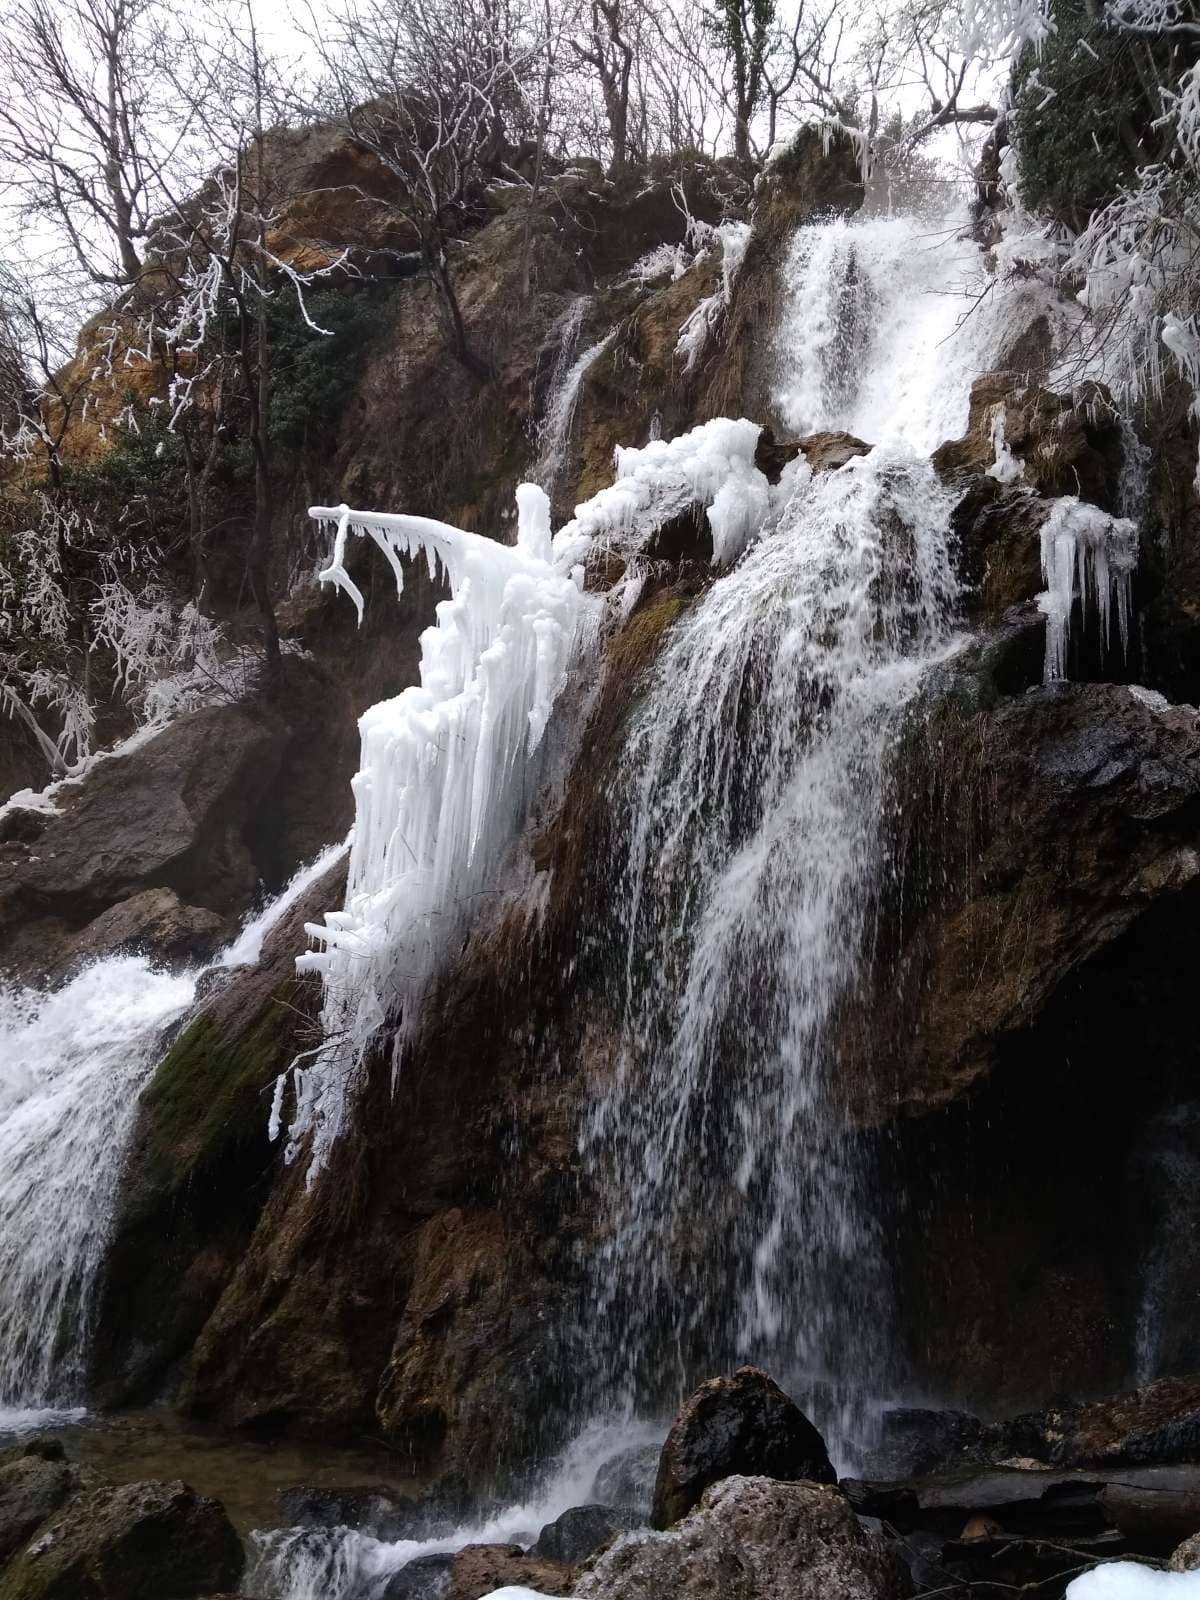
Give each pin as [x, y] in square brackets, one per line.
[1128, 1580]
[712, 465]
[448, 766]
[515, 1592]
[1086, 556]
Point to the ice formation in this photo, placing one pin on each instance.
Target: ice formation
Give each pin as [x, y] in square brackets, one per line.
[1005, 468]
[447, 767]
[443, 777]
[1090, 557]
[711, 466]
[733, 238]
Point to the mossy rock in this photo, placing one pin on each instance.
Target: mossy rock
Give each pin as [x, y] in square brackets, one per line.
[207, 1093]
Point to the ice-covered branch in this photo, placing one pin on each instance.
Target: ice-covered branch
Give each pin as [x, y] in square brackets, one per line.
[448, 766]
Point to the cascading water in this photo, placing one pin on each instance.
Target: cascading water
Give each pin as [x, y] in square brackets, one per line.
[566, 379]
[749, 805]
[742, 1223]
[71, 1065]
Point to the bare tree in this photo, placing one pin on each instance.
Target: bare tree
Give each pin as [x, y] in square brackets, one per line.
[436, 89]
[86, 130]
[608, 43]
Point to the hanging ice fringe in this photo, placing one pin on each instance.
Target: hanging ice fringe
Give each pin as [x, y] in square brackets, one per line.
[447, 766]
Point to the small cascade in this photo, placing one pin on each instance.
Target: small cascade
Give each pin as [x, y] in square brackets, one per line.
[570, 369]
[72, 1063]
[886, 323]
[347, 1564]
[749, 803]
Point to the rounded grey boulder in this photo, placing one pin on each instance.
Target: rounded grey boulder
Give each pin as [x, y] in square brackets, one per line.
[742, 1425]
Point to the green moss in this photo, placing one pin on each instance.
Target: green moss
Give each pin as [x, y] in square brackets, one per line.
[1083, 120]
[207, 1095]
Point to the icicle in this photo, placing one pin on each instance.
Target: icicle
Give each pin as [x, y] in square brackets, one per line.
[1090, 557]
[733, 238]
[447, 766]
[1005, 468]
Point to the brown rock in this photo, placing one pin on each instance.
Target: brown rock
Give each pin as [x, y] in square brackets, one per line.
[171, 814]
[480, 1568]
[142, 1541]
[1067, 443]
[742, 1425]
[156, 919]
[1186, 1557]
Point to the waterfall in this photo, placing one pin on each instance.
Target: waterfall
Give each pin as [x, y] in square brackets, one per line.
[747, 856]
[72, 1063]
[569, 371]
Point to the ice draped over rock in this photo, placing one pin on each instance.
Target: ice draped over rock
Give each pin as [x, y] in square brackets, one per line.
[448, 766]
[1089, 557]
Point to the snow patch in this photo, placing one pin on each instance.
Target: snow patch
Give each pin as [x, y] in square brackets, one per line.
[1128, 1580]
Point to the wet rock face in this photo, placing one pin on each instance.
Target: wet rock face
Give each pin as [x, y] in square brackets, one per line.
[744, 1425]
[480, 1568]
[169, 816]
[1068, 812]
[1042, 892]
[142, 1541]
[752, 1538]
[581, 1531]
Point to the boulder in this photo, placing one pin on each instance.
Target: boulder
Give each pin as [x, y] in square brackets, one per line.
[824, 452]
[752, 1538]
[743, 1425]
[1186, 1558]
[580, 1532]
[141, 1541]
[914, 1440]
[155, 919]
[369, 1508]
[1157, 1425]
[1060, 443]
[426, 1578]
[627, 1479]
[33, 1485]
[480, 1568]
[171, 814]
